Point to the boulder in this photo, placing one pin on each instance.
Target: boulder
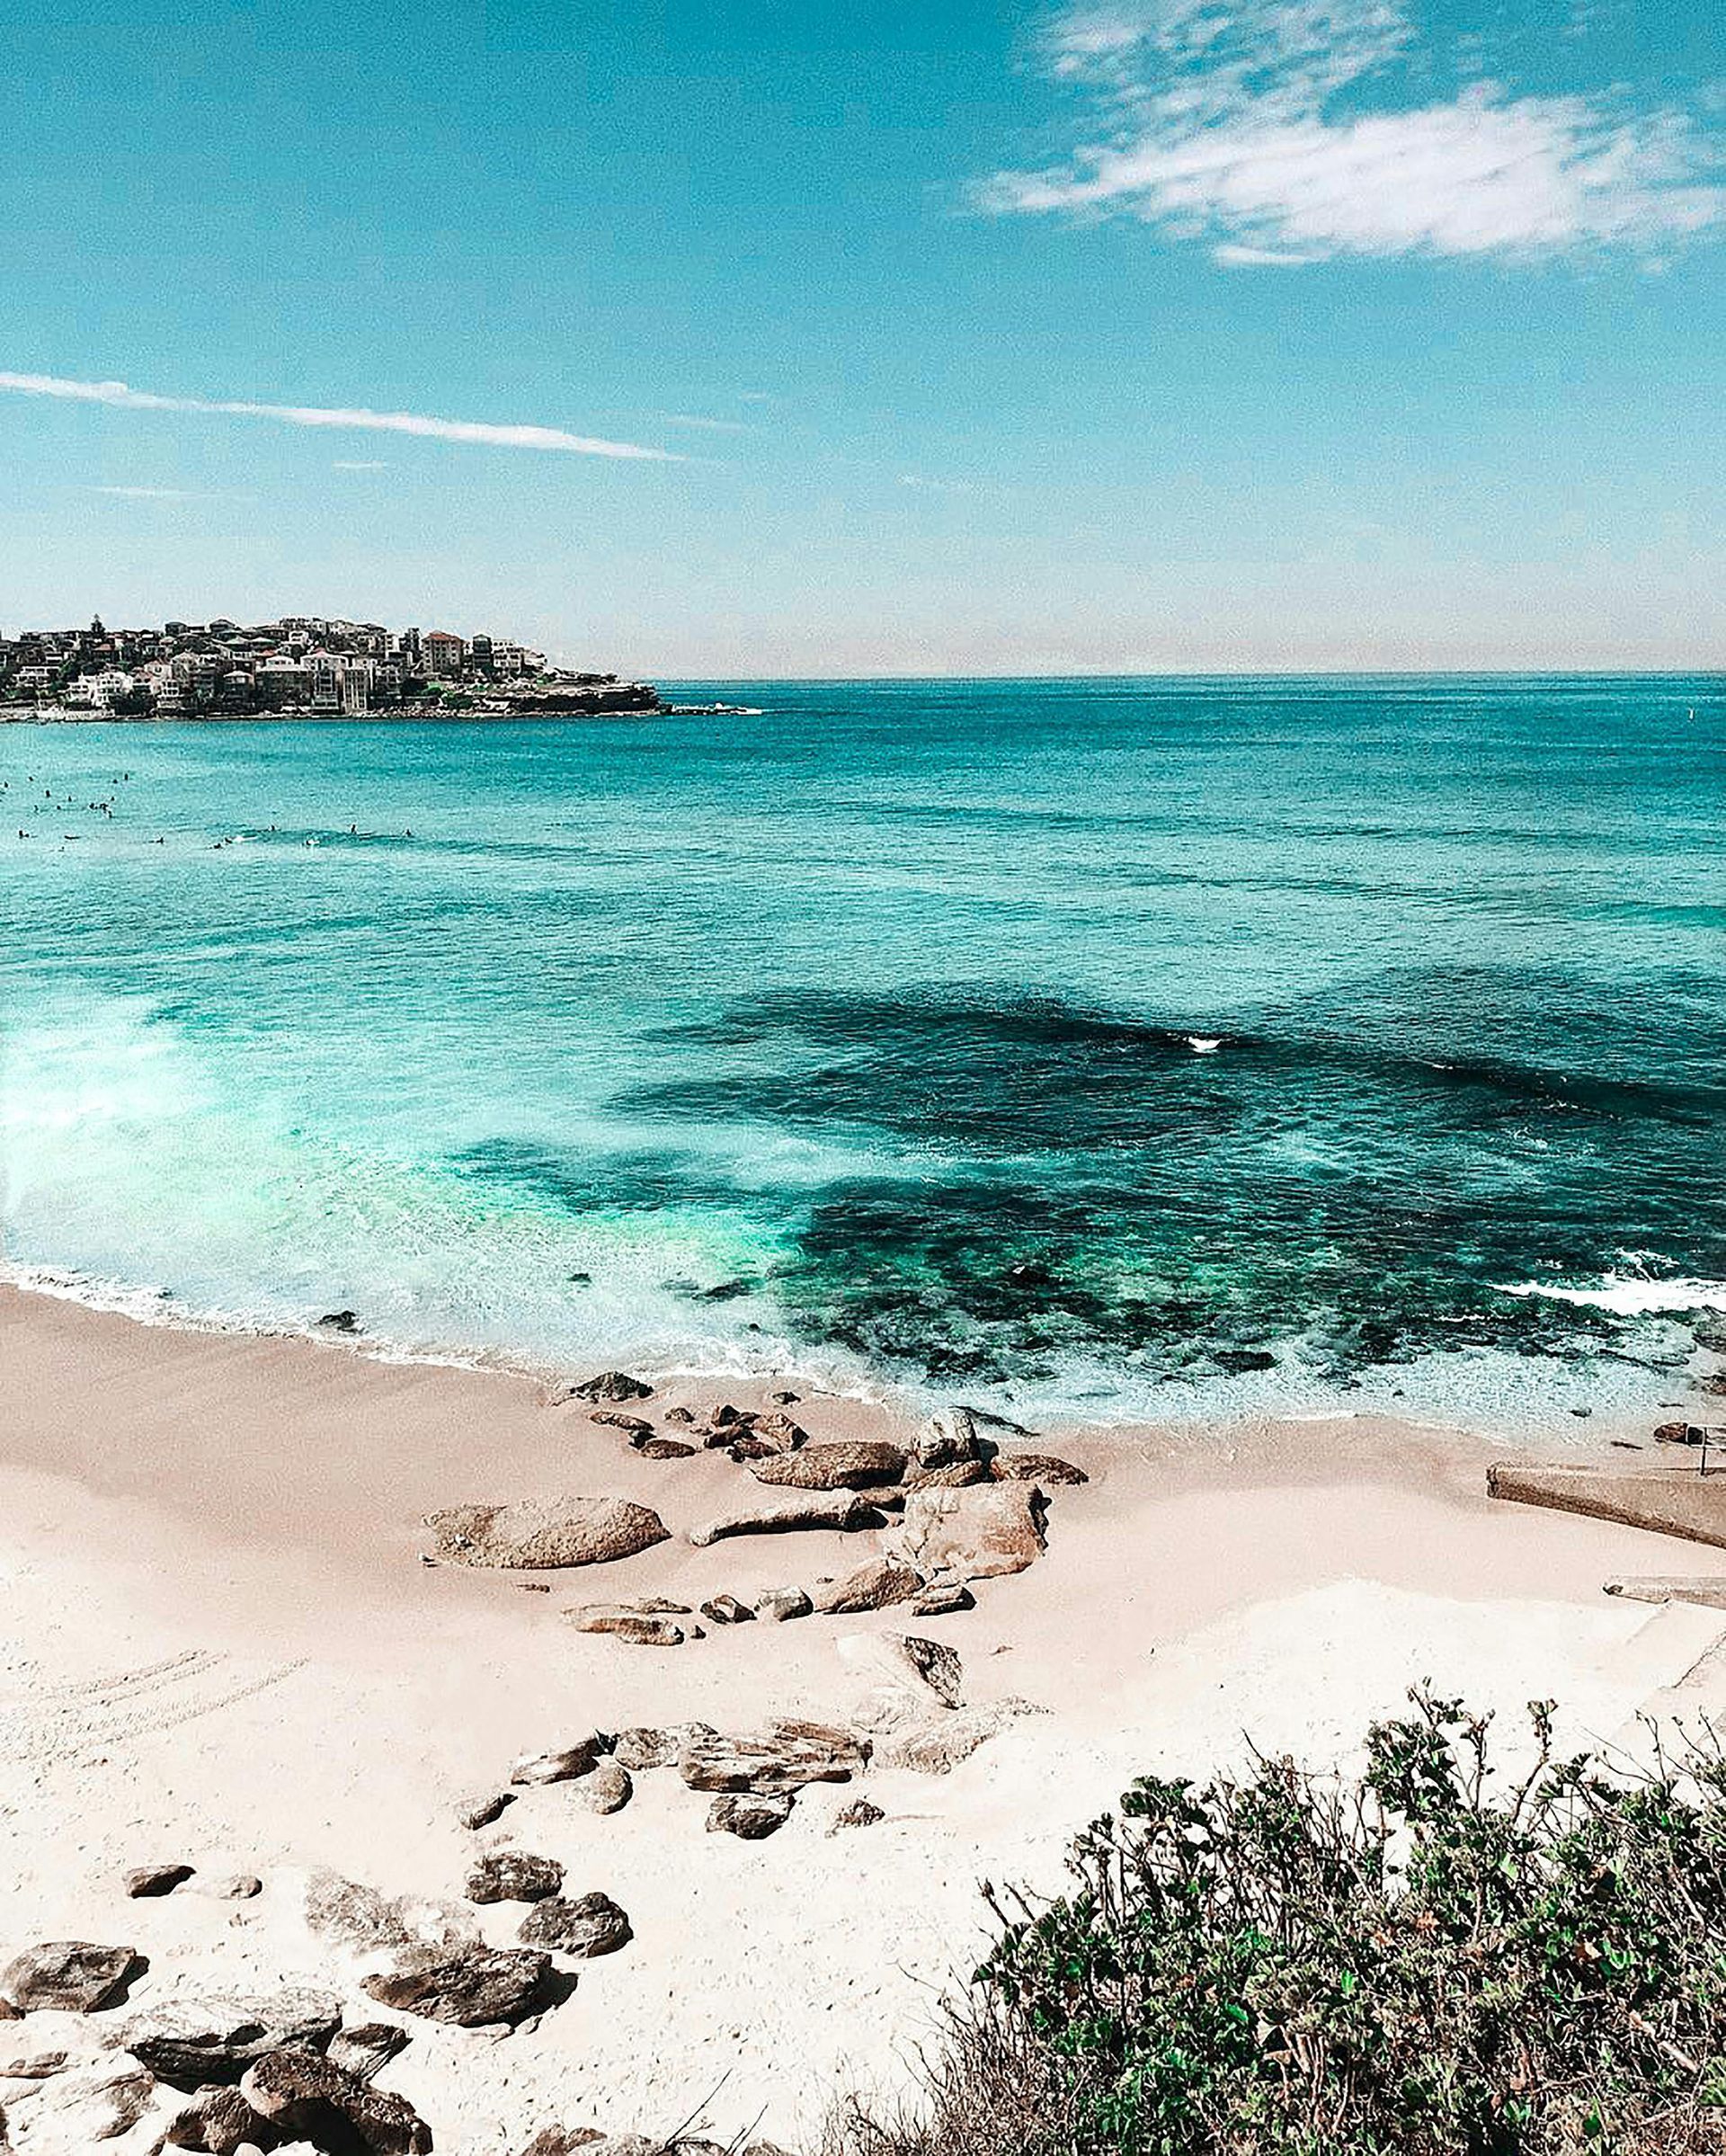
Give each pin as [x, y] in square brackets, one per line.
[235, 1886]
[960, 1475]
[149, 1882]
[302, 2092]
[543, 1534]
[779, 1605]
[750, 1818]
[779, 1431]
[476, 1988]
[587, 1926]
[343, 1914]
[69, 1976]
[535, 1769]
[859, 1813]
[634, 1626]
[685, 1415]
[943, 1598]
[779, 1512]
[1034, 1467]
[367, 2050]
[611, 1385]
[513, 1875]
[742, 1449]
[876, 1585]
[219, 2122]
[195, 2042]
[726, 1609]
[947, 1439]
[640, 1750]
[852, 1466]
[784, 1756]
[482, 1809]
[77, 2110]
[664, 1449]
[635, 1426]
[937, 1742]
[926, 1668]
[977, 1534]
[607, 1789]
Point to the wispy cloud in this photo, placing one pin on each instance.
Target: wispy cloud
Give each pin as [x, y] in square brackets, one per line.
[153, 494]
[506, 437]
[353, 464]
[696, 419]
[1221, 123]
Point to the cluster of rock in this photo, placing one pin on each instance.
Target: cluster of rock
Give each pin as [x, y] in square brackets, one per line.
[957, 1508]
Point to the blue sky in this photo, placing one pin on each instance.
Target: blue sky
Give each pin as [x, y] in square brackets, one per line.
[962, 337]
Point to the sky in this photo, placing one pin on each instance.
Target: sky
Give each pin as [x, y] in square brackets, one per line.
[743, 338]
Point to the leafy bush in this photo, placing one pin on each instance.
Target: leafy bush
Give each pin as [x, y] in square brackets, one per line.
[1283, 1965]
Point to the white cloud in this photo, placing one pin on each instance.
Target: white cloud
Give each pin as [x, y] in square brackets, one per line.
[509, 437]
[1220, 124]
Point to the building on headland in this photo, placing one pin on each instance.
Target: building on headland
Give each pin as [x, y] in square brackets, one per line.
[300, 665]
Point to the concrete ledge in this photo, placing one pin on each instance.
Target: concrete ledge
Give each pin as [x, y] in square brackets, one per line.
[1683, 1503]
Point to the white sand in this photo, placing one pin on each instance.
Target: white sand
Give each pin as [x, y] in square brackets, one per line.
[220, 1647]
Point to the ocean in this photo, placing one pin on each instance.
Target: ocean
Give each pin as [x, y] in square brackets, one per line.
[1164, 1048]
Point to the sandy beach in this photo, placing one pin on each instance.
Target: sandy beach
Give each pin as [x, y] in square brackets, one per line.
[222, 1649]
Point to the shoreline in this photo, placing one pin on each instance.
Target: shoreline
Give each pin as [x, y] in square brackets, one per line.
[222, 1648]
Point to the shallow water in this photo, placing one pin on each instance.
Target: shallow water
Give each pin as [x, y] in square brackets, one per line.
[1130, 1048]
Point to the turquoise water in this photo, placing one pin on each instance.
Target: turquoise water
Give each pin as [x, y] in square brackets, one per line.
[1129, 1046]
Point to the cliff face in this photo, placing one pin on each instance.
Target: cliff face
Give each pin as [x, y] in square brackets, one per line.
[573, 699]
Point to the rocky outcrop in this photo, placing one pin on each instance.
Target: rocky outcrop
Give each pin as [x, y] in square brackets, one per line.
[587, 1926]
[750, 1818]
[633, 1426]
[947, 1439]
[218, 2122]
[876, 1585]
[302, 2093]
[513, 1875]
[787, 1756]
[366, 2050]
[479, 1988]
[545, 1534]
[69, 1976]
[786, 1510]
[81, 2108]
[345, 1914]
[211, 2039]
[853, 1465]
[641, 1750]
[943, 1598]
[483, 1808]
[607, 1789]
[779, 1605]
[973, 1534]
[637, 1624]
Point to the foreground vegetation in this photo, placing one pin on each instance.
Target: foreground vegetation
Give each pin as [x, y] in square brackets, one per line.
[1431, 1959]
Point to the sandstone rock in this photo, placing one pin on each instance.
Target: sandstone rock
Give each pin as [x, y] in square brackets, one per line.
[611, 1384]
[685, 1415]
[79, 2109]
[545, 1533]
[564, 2141]
[779, 1605]
[947, 1437]
[480, 1811]
[534, 1770]
[587, 1926]
[783, 1399]
[605, 1790]
[304, 2093]
[859, 1813]
[368, 2049]
[750, 1818]
[475, 1989]
[149, 1882]
[852, 1466]
[1034, 1467]
[779, 1431]
[943, 1598]
[359, 1918]
[726, 1609]
[69, 1976]
[979, 1533]
[642, 1749]
[778, 1512]
[218, 2122]
[635, 1426]
[925, 1667]
[235, 1886]
[664, 1449]
[197, 2041]
[634, 1628]
[513, 1875]
[960, 1475]
[876, 1585]
[938, 1742]
[785, 1756]
[743, 1449]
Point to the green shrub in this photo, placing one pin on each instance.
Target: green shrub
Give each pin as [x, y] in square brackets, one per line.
[1417, 1963]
